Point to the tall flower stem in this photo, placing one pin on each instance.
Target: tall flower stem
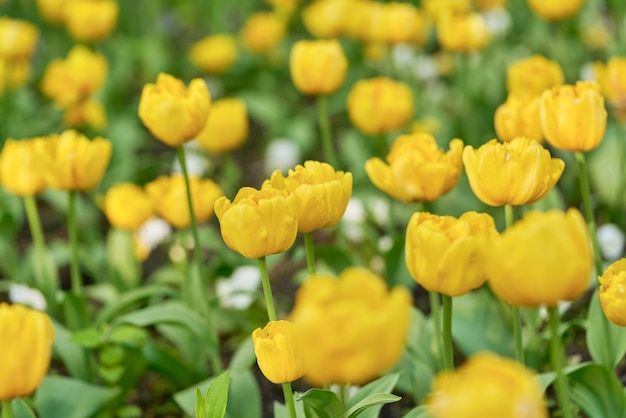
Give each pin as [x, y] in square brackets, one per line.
[6, 409]
[517, 320]
[586, 196]
[435, 316]
[556, 354]
[180, 151]
[75, 276]
[310, 252]
[327, 145]
[267, 289]
[448, 356]
[288, 393]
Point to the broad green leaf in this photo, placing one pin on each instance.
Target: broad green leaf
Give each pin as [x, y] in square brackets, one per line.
[546, 379]
[88, 337]
[606, 341]
[128, 299]
[21, 409]
[320, 403]
[598, 392]
[244, 356]
[60, 396]
[383, 385]
[166, 313]
[74, 356]
[75, 311]
[375, 400]
[128, 334]
[163, 360]
[216, 398]
[418, 412]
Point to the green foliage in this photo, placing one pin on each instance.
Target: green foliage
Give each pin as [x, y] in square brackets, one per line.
[606, 341]
[213, 404]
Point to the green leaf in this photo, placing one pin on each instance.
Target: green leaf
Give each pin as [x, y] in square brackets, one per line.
[166, 313]
[111, 355]
[200, 413]
[128, 334]
[111, 375]
[598, 392]
[75, 311]
[375, 400]
[383, 385]
[74, 356]
[130, 298]
[121, 258]
[606, 341]
[88, 337]
[60, 396]
[418, 412]
[244, 356]
[216, 398]
[21, 409]
[320, 403]
[165, 362]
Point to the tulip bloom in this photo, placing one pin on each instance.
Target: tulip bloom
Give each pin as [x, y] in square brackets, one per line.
[226, 128]
[399, 23]
[350, 329]
[435, 9]
[318, 67]
[463, 33]
[173, 113]
[258, 223]
[262, 32]
[53, 11]
[324, 18]
[276, 352]
[573, 117]
[542, 259]
[379, 105]
[71, 161]
[515, 173]
[91, 20]
[487, 386]
[27, 337]
[88, 112]
[169, 198]
[445, 254]
[20, 169]
[518, 116]
[612, 80]
[612, 292]
[532, 75]
[127, 206]
[555, 9]
[214, 54]
[18, 38]
[13, 73]
[321, 193]
[417, 170]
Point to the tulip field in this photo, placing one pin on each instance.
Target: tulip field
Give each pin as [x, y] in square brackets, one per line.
[313, 208]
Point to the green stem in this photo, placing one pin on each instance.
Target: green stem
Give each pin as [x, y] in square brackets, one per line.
[6, 409]
[517, 320]
[192, 216]
[435, 316]
[288, 393]
[310, 252]
[77, 282]
[34, 223]
[327, 145]
[586, 196]
[448, 357]
[556, 354]
[267, 290]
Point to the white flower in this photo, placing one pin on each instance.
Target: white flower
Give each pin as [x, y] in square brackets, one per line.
[353, 219]
[153, 232]
[281, 154]
[195, 160]
[379, 209]
[498, 21]
[611, 241]
[28, 296]
[238, 291]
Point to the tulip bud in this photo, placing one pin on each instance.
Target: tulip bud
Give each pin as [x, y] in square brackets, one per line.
[226, 128]
[532, 75]
[613, 83]
[276, 352]
[518, 116]
[214, 54]
[612, 292]
[555, 9]
[318, 67]
[262, 32]
[127, 206]
[464, 33]
[20, 168]
[91, 20]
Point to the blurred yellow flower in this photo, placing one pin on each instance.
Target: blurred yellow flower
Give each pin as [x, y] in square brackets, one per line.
[318, 67]
[487, 386]
[283, 6]
[226, 128]
[436, 9]
[321, 193]
[573, 117]
[127, 206]
[27, 337]
[258, 223]
[70, 161]
[325, 18]
[533, 75]
[73, 79]
[542, 259]
[173, 113]
[518, 116]
[350, 329]
[91, 20]
[262, 32]
[555, 9]
[360, 18]
[417, 170]
[426, 125]
[378, 105]
[18, 38]
[53, 11]
[89, 112]
[214, 54]
[20, 169]
[276, 352]
[488, 5]
[612, 292]
[447, 255]
[517, 172]
[14, 73]
[612, 79]
[463, 32]
[399, 23]
[169, 198]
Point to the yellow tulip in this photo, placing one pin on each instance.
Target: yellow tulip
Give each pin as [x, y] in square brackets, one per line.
[226, 128]
[173, 113]
[360, 18]
[258, 223]
[542, 259]
[89, 112]
[318, 67]
[325, 18]
[91, 20]
[262, 32]
[518, 116]
[169, 198]
[351, 329]
[488, 5]
[532, 75]
[214, 54]
[463, 33]
[447, 255]
[73, 79]
[612, 79]
[283, 6]
[53, 11]
[380, 105]
[573, 117]
[321, 193]
[555, 9]
[27, 337]
[612, 292]
[18, 38]
[276, 352]
[20, 169]
[517, 172]
[70, 161]
[487, 386]
[127, 206]
[13, 73]
[417, 170]
[399, 23]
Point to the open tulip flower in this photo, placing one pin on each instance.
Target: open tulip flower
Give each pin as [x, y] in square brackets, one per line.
[612, 292]
[515, 173]
[277, 352]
